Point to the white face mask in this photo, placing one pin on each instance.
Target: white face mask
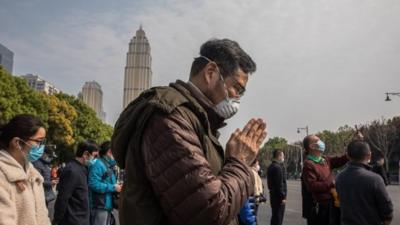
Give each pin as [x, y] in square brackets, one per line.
[229, 106]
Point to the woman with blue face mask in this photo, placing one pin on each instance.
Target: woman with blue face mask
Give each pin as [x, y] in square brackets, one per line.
[21, 185]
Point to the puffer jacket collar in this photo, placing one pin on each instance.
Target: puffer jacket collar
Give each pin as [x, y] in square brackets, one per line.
[216, 121]
[14, 172]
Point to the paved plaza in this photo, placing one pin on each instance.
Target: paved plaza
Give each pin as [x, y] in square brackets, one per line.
[293, 207]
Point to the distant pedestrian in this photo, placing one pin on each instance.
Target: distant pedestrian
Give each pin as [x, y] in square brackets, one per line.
[43, 166]
[103, 185]
[363, 196]
[259, 194]
[54, 172]
[378, 168]
[318, 181]
[94, 155]
[22, 199]
[72, 204]
[249, 212]
[276, 178]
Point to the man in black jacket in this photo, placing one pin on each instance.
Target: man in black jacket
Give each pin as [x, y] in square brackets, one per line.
[276, 178]
[378, 168]
[362, 193]
[72, 204]
[42, 165]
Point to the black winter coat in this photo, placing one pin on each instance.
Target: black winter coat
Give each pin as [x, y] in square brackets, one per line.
[381, 171]
[276, 178]
[43, 167]
[72, 204]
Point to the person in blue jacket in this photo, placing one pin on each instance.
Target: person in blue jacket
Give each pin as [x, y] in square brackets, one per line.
[103, 184]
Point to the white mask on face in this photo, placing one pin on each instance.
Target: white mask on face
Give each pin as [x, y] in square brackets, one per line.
[229, 106]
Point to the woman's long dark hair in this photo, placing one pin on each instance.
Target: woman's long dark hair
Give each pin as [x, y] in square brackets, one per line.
[23, 126]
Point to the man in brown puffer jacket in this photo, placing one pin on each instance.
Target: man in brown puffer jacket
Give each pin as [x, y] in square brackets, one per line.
[177, 172]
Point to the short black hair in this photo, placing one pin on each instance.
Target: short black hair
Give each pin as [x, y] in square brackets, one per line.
[378, 155]
[89, 146]
[227, 54]
[276, 153]
[307, 142]
[49, 149]
[358, 150]
[104, 147]
[23, 126]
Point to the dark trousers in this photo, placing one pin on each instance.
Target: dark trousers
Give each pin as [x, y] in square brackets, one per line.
[278, 210]
[102, 217]
[334, 215]
[324, 214]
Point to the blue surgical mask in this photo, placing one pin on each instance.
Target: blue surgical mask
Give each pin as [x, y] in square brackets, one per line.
[35, 152]
[90, 161]
[321, 145]
[111, 160]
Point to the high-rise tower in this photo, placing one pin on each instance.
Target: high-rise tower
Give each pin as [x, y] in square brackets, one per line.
[6, 58]
[39, 84]
[138, 67]
[92, 95]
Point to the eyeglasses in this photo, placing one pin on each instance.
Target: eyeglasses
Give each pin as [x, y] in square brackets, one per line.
[240, 90]
[39, 142]
[238, 87]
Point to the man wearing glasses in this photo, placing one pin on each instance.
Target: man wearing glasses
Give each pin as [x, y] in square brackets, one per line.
[177, 172]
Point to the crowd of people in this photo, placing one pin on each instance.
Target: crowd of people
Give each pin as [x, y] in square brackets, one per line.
[357, 195]
[176, 170]
[86, 187]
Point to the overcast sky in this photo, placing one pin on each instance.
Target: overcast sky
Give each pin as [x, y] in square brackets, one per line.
[321, 63]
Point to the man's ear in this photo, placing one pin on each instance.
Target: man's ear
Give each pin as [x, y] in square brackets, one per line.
[208, 72]
[369, 156]
[109, 152]
[86, 154]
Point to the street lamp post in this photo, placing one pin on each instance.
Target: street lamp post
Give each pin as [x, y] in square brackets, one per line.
[300, 150]
[302, 128]
[298, 131]
[388, 99]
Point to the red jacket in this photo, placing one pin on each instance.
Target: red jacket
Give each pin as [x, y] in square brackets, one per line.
[318, 177]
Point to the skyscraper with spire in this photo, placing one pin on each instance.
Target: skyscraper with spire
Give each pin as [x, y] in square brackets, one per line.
[138, 72]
